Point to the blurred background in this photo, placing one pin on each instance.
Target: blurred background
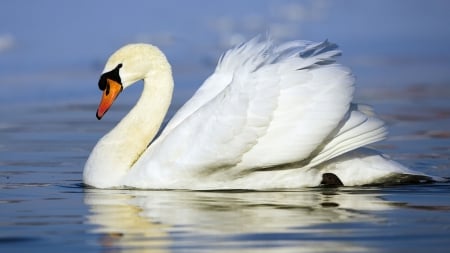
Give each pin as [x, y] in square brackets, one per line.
[53, 51]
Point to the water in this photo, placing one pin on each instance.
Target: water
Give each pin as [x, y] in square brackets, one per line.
[48, 127]
[45, 208]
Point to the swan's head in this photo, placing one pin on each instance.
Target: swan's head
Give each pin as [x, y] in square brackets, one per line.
[125, 67]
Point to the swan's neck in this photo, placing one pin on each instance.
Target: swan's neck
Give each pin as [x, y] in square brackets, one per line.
[141, 124]
[116, 152]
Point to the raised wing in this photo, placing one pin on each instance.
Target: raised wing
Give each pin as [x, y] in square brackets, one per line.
[264, 106]
[229, 64]
[224, 119]
[314, 98]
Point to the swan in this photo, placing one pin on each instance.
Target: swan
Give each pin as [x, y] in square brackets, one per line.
[271, 116]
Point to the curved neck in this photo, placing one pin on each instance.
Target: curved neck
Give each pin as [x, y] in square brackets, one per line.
[118, 150]
[138, 128]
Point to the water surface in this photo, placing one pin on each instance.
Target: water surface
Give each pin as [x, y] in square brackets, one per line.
[45, 207]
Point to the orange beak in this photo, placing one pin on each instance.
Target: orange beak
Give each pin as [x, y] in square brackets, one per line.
[110, 94]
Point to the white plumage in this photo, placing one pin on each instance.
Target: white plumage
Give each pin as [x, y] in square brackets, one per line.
[268, 117]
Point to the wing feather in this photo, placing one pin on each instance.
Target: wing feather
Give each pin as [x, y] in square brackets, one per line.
[217, 133]
[358, 129]
[315, 96]
[265, 106]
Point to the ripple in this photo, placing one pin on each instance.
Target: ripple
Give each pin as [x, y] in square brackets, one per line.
[24, 239]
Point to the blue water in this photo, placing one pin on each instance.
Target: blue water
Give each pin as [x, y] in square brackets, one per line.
[51, 55]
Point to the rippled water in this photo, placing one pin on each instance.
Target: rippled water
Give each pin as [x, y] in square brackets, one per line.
[45, 208]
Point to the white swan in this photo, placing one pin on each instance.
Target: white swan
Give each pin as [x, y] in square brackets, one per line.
[269, 117]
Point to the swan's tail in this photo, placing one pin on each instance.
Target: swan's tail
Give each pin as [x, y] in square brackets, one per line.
[365, 166]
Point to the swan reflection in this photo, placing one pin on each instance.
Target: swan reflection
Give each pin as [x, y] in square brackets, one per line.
[171, 221]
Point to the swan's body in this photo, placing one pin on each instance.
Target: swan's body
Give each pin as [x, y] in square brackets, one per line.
[268, 117]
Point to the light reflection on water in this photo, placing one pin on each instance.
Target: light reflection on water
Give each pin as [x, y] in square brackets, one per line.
[277, 221]
[311, 220]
